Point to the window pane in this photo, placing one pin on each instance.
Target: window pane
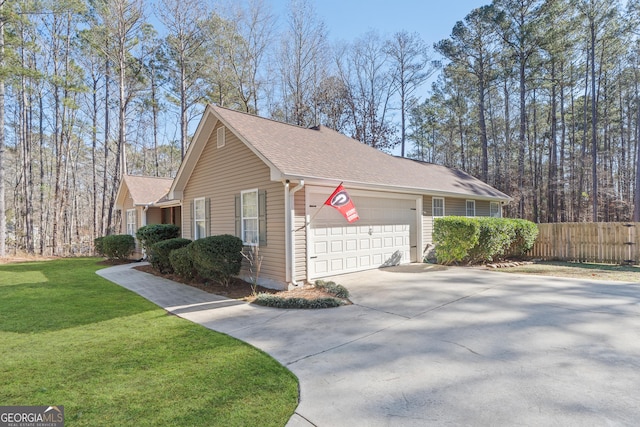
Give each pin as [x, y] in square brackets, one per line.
[250, 227]
[200, 230]
[199, 209]
[250, 205]
[438, 207]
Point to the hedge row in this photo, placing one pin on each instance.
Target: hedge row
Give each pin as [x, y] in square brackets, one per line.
[479, 240]
[217, 258]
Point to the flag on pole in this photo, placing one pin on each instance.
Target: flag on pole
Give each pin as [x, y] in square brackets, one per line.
[340, 200]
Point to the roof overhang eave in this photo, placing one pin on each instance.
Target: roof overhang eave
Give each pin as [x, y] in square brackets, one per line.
[328, 182]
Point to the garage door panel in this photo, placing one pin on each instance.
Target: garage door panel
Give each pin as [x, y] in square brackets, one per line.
[321, 247]
[377, 259]
[351, 262]
[351, 245]
[319, 232]
[365, 244]
[321, 267]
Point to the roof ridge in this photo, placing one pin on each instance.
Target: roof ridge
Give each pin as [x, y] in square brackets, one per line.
[268, 118]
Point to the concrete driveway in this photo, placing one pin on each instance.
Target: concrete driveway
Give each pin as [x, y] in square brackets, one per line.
[426, 345]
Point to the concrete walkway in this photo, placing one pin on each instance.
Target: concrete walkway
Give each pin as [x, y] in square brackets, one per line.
[424, 345]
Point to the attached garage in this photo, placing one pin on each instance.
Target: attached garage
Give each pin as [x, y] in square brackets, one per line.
[296, 169]
[386, 233]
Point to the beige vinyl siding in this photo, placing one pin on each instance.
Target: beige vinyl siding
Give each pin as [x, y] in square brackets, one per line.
[482, 207]
[301, 236]
[154, 216]
[222, 173]
[457, 207]
[427, 220]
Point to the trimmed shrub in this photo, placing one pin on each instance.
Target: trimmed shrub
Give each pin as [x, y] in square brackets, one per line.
[181, 262]
[526, 233]
[494, 239]
[332, 288]
[217, 257]
[481, 239]
[159, 253]
[151, 234]
[97, 244]
[118, 246]
[454, 236]
[270, 300]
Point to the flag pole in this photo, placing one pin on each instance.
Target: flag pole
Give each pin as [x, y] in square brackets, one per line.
[317, 212]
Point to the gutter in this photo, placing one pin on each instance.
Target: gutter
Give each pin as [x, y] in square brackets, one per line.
[290, 246]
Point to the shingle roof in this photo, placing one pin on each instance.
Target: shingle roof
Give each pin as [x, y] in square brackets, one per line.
[323, 153]
[145, 190]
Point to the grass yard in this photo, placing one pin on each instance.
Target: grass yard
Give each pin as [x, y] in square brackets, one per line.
[580, 270]
[112, 358]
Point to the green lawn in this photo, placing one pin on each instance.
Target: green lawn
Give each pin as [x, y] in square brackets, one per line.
[112, 358]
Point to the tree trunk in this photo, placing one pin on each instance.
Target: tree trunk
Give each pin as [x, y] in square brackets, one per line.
[3, 218]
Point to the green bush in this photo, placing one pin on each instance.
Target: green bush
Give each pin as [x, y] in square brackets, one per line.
[270, 300]
[181, 262]
[97, 244]
[148, 235]
[481, 239]
[526, 233]
[118, 246]
[217, 257]
[494, 239]
[159, 253]
[332, 288]
[454, 236]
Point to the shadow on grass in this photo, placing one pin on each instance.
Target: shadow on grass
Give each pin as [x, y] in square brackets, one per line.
[49, 296]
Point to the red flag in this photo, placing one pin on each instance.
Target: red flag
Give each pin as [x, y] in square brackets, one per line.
[342, 202]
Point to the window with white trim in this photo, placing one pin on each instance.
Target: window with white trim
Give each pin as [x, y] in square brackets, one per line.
[131, 222]
[494, 210]
[250, 220]
[437, 206]
[471, 207]
[199, 218]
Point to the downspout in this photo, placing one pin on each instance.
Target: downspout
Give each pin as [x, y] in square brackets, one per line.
[145, 208]
[144, 214]
[291, 232]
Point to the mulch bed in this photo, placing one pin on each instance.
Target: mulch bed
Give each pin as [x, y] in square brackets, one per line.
[238, 288]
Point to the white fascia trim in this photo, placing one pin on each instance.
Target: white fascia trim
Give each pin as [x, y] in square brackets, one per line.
[349, 185]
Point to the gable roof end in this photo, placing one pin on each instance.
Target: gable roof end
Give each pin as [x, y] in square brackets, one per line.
[144, 190]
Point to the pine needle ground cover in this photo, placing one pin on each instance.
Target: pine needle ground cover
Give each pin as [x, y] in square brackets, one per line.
[622, 273]
[111, 357]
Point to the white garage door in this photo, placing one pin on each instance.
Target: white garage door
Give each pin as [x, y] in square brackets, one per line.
[384, 235]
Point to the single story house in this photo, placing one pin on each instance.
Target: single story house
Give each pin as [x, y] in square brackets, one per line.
[267, 182]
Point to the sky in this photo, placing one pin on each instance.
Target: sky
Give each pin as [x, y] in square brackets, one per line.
[348, 19]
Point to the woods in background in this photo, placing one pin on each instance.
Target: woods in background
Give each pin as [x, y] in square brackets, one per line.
[540, 99]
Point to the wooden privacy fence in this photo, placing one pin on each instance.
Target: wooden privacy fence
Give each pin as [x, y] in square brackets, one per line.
[603, 242]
